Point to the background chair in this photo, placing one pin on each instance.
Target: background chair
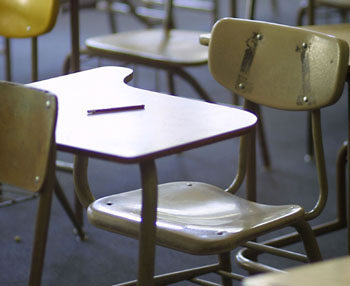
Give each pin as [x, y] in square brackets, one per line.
[342, 8]
[27, 155]
[165, 48]
[302, 61]
[30, 19]
[214, 220]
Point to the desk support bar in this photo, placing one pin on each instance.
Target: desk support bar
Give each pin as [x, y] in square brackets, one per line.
[148, 224]
[81, 181]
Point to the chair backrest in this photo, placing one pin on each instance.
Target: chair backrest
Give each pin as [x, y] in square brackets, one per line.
[278, 66]
[29, 18]
[27, 135]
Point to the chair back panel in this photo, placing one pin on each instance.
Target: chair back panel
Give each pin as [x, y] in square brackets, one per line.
[278, 66]
[27, 124]
[29, 18]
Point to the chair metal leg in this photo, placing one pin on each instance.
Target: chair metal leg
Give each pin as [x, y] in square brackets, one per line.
[250, 9]
[148, 224]
[8, 59]
[35, 74]
[111, 17]
[309, 141]
[310, 244]
[193, 82]
[171, 84]
[341, 220]
[41, 230]
[65, 204]
[262, 140]
[225, 262]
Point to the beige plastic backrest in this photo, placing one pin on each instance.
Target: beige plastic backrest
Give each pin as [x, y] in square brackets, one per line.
[27, 18]
[278, 66]
[27, 126]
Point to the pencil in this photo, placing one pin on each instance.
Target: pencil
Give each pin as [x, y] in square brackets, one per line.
[115, 109]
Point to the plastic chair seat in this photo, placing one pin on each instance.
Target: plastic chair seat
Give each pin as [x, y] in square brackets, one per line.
[193, 217]
[177, 48]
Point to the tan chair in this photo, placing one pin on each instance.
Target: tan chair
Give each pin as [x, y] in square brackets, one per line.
[165, 48]
[202, 219]
[341, 31]
[342, 6]
[31, 19]
[27, 155]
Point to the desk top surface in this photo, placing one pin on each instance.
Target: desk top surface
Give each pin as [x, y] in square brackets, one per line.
[333, 272]
[167, 124]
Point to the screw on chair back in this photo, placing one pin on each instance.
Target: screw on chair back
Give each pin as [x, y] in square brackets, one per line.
[27, 154]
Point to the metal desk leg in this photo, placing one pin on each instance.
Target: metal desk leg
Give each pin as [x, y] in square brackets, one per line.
[75, 36]
[148, 223]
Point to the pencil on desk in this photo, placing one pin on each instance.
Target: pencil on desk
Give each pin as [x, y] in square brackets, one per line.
[115, 109]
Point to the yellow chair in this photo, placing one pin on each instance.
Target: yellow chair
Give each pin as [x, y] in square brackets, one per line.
[27, 155]
[202, 219]
[30, 19]
[26, 19]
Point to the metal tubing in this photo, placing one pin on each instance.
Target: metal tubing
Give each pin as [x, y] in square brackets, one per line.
[148, 223]
[75, 34]
[35, 60]
[252, 266]
[262, 248]
[42, 224]
[66, 206]
[341, 183]
[225, 263]
[8, 59]
[251, 159]
[321, 166]
[191, 80]
[81, 183]
[310, 244]
[168, 278]
[250, 9]
[242, 166]
[230, 275]
[262, 139]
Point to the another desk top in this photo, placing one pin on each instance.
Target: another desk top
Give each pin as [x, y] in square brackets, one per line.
[167, 125]
[334, 272]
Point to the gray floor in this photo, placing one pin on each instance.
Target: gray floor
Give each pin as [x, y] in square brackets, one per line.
[105, 258]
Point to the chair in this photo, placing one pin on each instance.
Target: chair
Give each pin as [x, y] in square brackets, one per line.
[26, 19]
[27, 155]
[341, 6]
[157, 48]
[202, 219]
[30, 19]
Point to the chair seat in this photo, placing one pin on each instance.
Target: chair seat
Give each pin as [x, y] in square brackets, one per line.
[179, 48]
[193, 217]
[345, 4]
